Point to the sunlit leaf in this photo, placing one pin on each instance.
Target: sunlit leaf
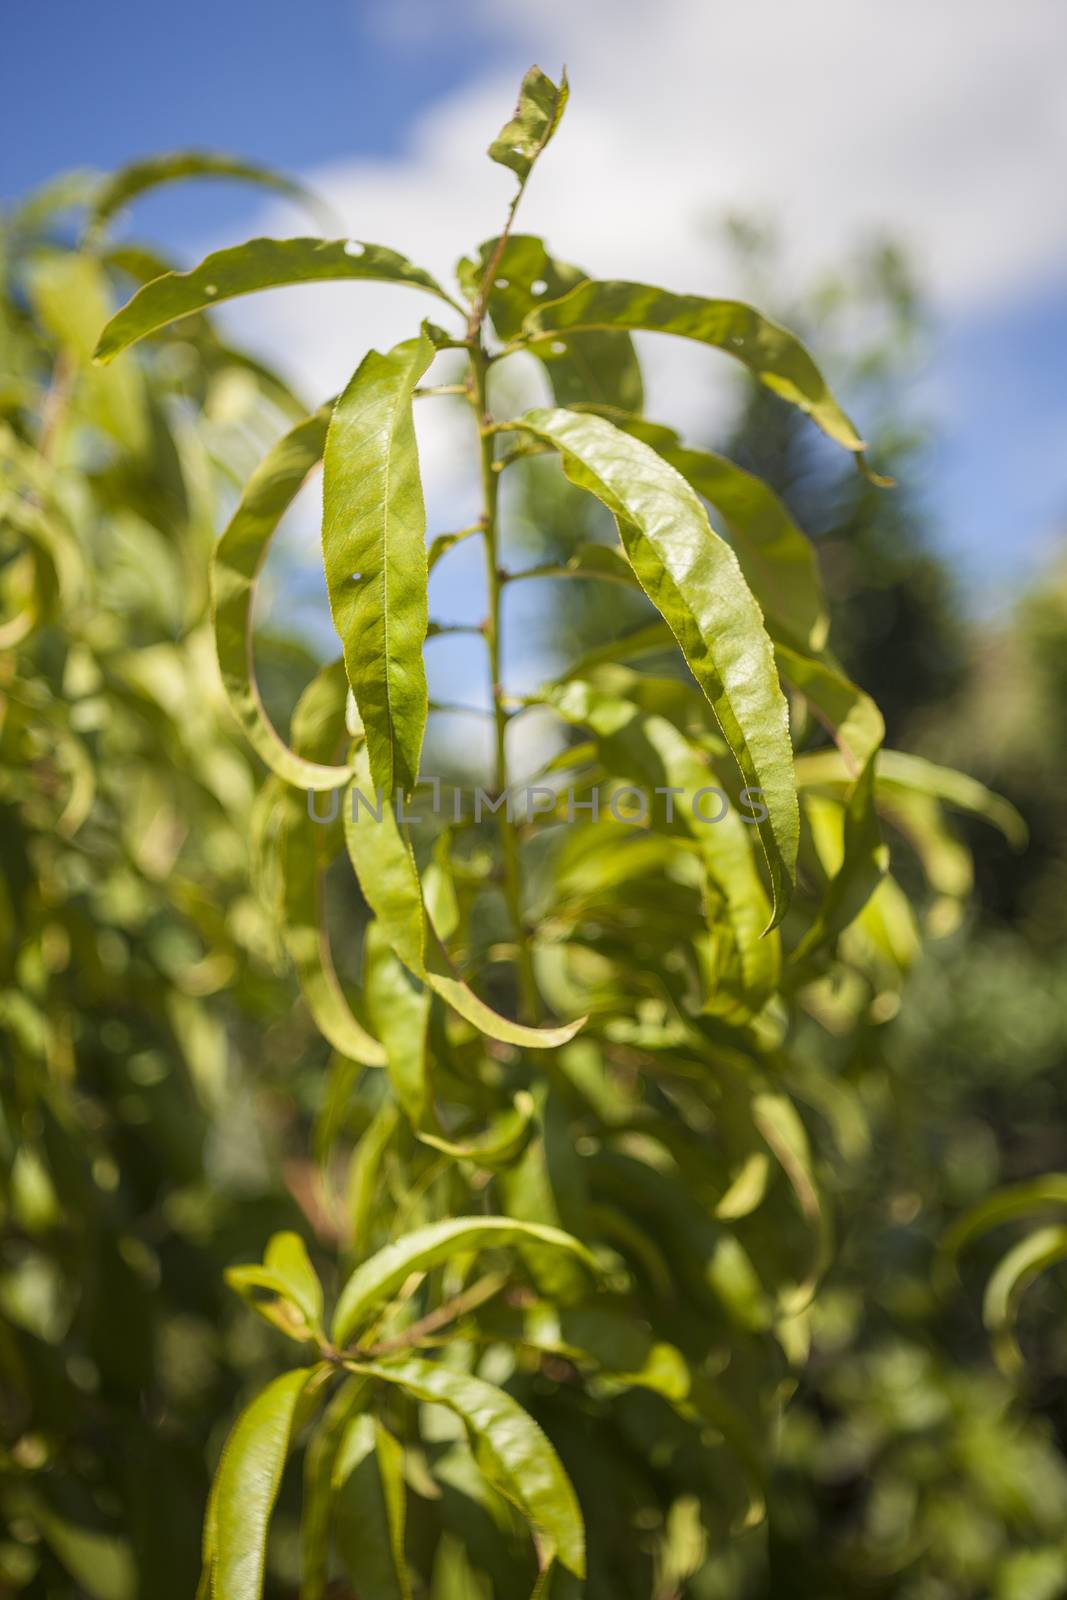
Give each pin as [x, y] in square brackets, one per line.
[510, 1449]
[141, 176]
[245, 268]
[780, 565]
[537, 116]
[379, 1278]
[770, 352]
[385, 866]
[374, 550]
[239, 556]
[693, 579]
[583, 367]
[249, 1477]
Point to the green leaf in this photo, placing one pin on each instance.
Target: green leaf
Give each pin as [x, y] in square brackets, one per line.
[287, 1257]
[140, 176]
[385, 866]
[238, 558]
[72, 297]
[779, 563]
[695, 582]
[399, 1012]
[852, 718]
[319, 1462]
[584, 367]
[246, 1487]
[1017, 1200]
[779, 1124]
[99, 1564]
[863, 863]
[541, 105]
[374, 551]
[775, 357]
[245, 268]
[364, 1186]
[650, 751]
[305, 850]
[586, 560]
[501, 1142]
[302, 856]
[899, 771]
[510, 1450]
[368, 1483]
[1013, 1276]
[379, 1277]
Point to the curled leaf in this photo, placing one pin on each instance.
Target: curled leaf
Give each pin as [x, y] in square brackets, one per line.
[238, 557]
[141, 176]
[537, 116]
[378, 1278]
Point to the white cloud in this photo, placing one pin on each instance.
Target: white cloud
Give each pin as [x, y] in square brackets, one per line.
[944, 123]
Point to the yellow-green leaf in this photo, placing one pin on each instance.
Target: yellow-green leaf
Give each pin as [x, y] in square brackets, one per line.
[374, 551]
[510, 1449]
[140, 176]
[246, 268]
[772, 353]
[378, 1278]
[385, 866]
[541, 105]
[239, 555]
[694, 580]
[246, 1487]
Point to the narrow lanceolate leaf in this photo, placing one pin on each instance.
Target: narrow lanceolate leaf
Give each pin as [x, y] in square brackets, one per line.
[1016, 1200]
[246, 1487]
[374, 550]
[398, 1008]
[899, 772]
[381, 1275]
[537, 115]
[774, 355]
[389, 879]
[849, 715]
[779, 1123]
[244, 268]
[307, 940]
[1013, 1276]
[238, 558]
[778, 561]
[141, 176]
[863, 863]
[693, 579]
[510, 1449]
[305, 850]
[501, 1142]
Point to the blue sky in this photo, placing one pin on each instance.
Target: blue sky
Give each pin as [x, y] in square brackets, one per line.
[962, 152]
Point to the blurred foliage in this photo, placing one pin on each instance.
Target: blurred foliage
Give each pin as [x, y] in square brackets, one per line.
[909, 1468]
[162, 1083]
